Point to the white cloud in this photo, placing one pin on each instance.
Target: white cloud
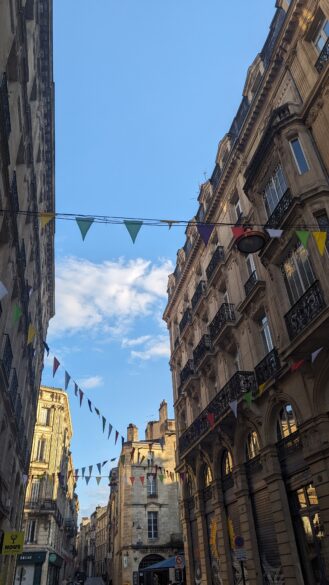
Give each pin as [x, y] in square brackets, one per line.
[157, 347]
[91, 382]
[137, 341]
[107, 297]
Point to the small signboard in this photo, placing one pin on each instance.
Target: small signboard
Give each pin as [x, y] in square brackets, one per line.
[241, 554]
[179, 562]
[13, 543]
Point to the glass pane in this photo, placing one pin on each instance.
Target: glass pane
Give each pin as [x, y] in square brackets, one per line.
[282, 179]
[317, 526]
[307, 529]
[320, 42]
[293, 283]
[304, 267]
[300, 159]
[301, 498]
[291, 420]
[311, 492]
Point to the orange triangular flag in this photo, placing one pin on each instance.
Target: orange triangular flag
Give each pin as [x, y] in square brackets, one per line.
[320, 238]
[31, 333]
[46, 217]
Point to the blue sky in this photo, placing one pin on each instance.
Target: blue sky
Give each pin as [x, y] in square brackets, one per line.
[145, 89]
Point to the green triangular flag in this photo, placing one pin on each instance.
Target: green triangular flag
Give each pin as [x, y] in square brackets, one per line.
[133, 228]
[84, 224]
[161, 477]
[17, 313]
[303, 237]
[98, 478]
[248, 397]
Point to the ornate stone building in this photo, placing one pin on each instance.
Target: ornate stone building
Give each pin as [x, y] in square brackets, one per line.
[144, 523]
[26, 259]
[251, 396]
[101, 542]
[51, 505]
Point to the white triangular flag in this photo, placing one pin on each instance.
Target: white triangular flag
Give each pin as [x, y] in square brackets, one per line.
[3, 290]
[24, 477]
[234, 407]
[274, 233]
[316, 353]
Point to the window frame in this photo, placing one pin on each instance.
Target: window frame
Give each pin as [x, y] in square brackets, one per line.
[283, 418]
[151, 486]
[297, 140]
[265, 333]
[296, 288]
[275, 188]
[31, 531]
[152, 525]
[320, 34]
[227, 464]
[252, 447]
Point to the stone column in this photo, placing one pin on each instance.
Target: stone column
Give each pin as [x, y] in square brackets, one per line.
[226, 571]
[185, 519]
[202, 538]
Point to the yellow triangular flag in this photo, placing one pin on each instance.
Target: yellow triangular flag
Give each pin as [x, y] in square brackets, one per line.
[31, 333]
[261, 388]
[46, 217]
[320, 238]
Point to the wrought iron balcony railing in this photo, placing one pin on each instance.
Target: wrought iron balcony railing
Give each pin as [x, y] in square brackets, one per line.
[224, 315]
[203, 347]
[281, 209]
[289, 445]
[217, 258]
[185, 320]
[268, 367]
[249, 285]
[305, 310]
[187, 372]
[239, 384]
[199, 292]
[254, 465]
[323, 58]
[4, 106]
[7, 358]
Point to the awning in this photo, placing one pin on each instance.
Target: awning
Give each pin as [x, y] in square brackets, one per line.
[166, 564]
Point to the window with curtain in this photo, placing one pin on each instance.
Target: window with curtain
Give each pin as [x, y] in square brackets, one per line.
[298, 273]
[274, 190]
[286, 422]
[252, 446]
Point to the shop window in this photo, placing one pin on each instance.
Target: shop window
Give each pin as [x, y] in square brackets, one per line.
[227, 464]
[274, 190]
[298, 273]
[287, 423]
[299, 156]
[252, 446]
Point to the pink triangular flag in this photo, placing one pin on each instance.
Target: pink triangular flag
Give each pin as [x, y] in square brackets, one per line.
[211, 418]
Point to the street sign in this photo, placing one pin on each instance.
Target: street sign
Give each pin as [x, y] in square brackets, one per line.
[179, 562]
[239, 541]
[241, 554]
[13, 543]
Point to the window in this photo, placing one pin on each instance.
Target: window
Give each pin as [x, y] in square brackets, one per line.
[150, 458]
[298, 273]
[44, 416]
[252, 445]
[323, 223]
[266, 333]
[227, 464]
[237, 361]
[274, 190]
[287, 422]
[250, 264]
[35, 490]
[151, 484]
[299, 156]
[41, 450]
[31, 531]
[322, 35]
[152, 524]
[238, 210]
[207, 476]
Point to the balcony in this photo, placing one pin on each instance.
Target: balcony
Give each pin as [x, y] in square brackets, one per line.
[289, 445]
[268, 367]
[323, 58]
[187, 372]
[305, 310]
[239, 384]
[224, 316]
[185, 320]
[276, 218]
[217, 259]
[251, 283]
[204, 346]
[7, 358]
[4, 106]
[199, 292]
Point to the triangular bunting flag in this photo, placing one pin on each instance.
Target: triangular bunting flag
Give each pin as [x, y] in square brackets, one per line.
[97, 411]
[90, 469]
[83, 469]
[98, 479]
[237, 231]
[303, 237]
[320, 238]
[211, 418]
[31, 335]
[170, 222]
[122, 441]
[316, 353]
[3, 290]
[56, 365]
[87, 479]
[46, 346]
[75, 388]
[104, 462]
[248, 397]
[205, 230]
[133, 228]
[122, 459]
[132, 454]
[81, 394]
[17, 313]
[132, 479]
[110, 430]
[103, 422]
[274, 233]
[142, 479]
[89, 404]
[116, 437]
[161, 477]
[67, 379]
[261, 388]
[45, 218]
[99, 466]
[113, 459]
[234, 407]
[84, 224]
[25, 478]
[296, 365]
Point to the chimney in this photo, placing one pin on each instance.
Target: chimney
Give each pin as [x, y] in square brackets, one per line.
[132, 433]
[163, 412]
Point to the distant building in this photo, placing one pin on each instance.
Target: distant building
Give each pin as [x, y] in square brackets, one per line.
[101, 547]
[249, 333]
[51, 505]
[27, 248]
[144, 523]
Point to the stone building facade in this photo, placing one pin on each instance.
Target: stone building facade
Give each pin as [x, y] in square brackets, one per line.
[251, 389]
[101, 542]
[51, 504]
[26, 259]
[144, 525]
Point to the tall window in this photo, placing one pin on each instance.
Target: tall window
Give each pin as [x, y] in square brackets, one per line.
[152, 524]
[35, 490]
[274, 190]
[238, 210]
[265, 332]
[250, 264]
[207, 476]
[31, 531]
[287, 422]
[151, 484]
[41, 450]
[44, 416]
[299, 156]
[252, 446]
[322, 35]
[298, 273]
[150, 458]
[323, 223]
[227, 464]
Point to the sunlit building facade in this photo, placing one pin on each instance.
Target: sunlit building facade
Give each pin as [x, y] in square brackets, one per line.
[249, 334]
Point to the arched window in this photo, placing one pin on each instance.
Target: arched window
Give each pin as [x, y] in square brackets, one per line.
[287, 423]
[252, 446]
[207, 477]
[227, 464]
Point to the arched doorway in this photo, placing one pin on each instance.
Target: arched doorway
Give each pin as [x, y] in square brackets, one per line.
[147, 578]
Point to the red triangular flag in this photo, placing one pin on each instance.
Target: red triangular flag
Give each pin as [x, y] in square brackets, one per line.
[142, 479]
[237, 231]
[116, 437]
[132, 479]
[56, 365]
[294, 367]
[211, 418]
